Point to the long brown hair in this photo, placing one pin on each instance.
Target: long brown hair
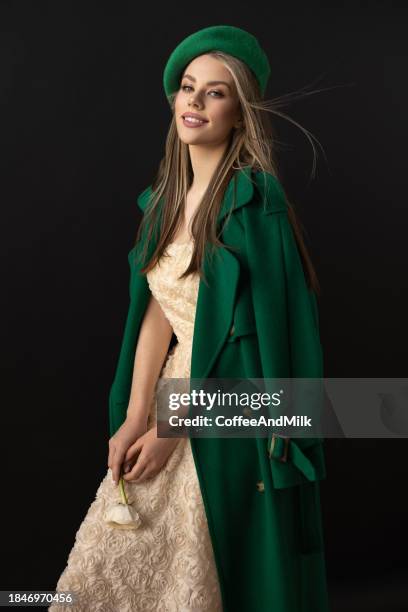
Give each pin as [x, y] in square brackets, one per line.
[253, 144]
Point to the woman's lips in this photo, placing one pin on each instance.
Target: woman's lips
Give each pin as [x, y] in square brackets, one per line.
[192, 124]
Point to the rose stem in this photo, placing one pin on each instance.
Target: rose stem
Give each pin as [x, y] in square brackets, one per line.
[122, 491]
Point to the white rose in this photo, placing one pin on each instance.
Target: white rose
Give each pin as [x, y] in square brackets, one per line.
[122, 514]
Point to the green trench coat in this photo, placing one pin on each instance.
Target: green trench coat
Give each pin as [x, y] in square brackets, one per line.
[257, 318]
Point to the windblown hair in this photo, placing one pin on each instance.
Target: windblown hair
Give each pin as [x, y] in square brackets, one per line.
[251, 144]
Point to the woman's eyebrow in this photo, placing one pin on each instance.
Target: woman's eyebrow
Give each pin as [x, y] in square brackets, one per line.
[188, 76]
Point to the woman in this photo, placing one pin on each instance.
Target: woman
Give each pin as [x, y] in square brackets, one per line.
[231, 524]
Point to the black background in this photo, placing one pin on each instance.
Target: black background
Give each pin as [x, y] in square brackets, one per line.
[83, 123]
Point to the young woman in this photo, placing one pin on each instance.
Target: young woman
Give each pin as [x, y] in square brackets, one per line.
[219, 267]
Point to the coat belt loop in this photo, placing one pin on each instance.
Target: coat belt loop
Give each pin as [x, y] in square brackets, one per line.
[279, 447]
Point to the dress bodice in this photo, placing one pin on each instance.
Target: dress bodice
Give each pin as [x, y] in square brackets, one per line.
[177, 297]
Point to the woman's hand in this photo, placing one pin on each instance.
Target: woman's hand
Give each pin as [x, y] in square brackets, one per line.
[130, 430]
[151, 454]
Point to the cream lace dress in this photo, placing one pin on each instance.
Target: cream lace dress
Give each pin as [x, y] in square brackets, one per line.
[167, 564]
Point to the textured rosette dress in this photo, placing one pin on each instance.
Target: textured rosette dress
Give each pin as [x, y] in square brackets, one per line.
[167, 563]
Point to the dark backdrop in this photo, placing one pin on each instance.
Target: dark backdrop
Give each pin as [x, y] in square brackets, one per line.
[83, 123]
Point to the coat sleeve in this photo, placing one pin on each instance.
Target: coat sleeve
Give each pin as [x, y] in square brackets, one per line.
[288, 332]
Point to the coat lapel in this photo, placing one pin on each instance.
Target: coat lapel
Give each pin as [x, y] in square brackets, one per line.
[215, 301]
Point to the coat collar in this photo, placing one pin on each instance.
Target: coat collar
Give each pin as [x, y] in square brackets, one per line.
[241, 182]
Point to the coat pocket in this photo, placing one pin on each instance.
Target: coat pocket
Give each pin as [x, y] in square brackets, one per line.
[305, 463]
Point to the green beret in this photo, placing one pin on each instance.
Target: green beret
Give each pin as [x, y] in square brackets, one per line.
[232, 40]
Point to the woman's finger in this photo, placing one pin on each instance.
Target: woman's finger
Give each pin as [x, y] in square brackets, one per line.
[111, 454]
[117, 464]
[133, 451]
[136, 471]
[131, 457]
[145, 475]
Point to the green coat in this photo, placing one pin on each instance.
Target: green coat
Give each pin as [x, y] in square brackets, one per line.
[256, 318]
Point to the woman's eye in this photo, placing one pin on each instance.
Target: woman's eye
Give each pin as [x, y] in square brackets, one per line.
[187, 87]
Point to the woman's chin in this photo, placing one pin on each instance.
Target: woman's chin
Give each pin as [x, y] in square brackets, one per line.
[191, 139]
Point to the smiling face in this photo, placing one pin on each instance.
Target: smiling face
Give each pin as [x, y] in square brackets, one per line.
[207, 90]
